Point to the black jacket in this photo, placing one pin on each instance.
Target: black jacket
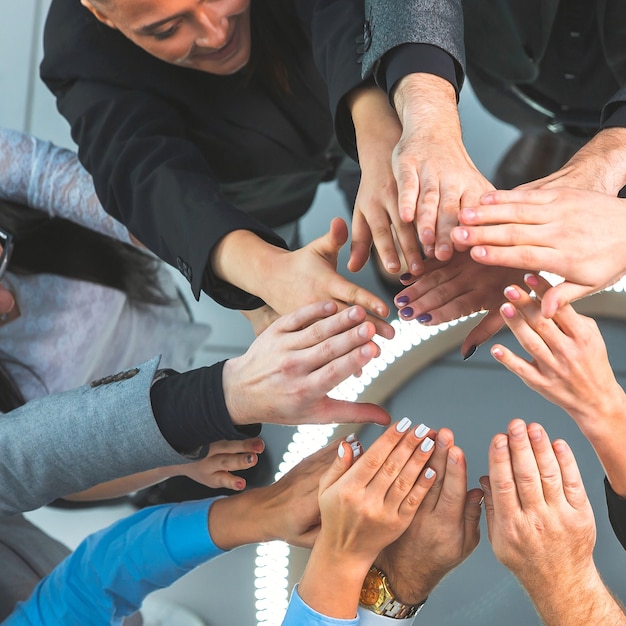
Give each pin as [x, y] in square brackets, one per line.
[181, 156]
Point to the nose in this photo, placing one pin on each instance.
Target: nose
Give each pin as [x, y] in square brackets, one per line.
[212, 28]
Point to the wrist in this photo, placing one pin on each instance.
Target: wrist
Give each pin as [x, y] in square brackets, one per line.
[234, 389]
[408, 587]
[606, 152]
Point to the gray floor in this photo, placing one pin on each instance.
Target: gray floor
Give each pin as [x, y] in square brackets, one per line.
[476, 398]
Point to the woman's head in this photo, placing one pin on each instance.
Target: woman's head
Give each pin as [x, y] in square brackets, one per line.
[208, 35]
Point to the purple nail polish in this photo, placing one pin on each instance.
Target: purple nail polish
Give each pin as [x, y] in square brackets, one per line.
[406, 277]
[407, 311]
[469, 352]
[402, 300]
[424, 317]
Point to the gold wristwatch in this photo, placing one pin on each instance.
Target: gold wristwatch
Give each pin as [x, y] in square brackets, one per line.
[377, 596]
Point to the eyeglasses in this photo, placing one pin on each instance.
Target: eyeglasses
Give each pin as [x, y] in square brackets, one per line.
[6, 241]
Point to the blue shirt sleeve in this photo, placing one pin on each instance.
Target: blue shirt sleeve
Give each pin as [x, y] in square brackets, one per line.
[112, 571]
[300, 614]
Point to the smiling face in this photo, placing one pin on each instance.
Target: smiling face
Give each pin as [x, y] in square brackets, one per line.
[208, 35]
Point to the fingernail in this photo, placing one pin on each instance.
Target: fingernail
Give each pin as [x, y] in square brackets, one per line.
[403, 425]
[392, 267]
[470, 352]
[407, 311]
[363, 331]
[249, 459]
[497, 353]
[501, 442]
[508, 310]
[340, 451]
[444, 247]
[485, 487]
[402, 300]
[461, 233]
[518, 430]
[421, 431]
[356, 449]
[350, 438]
[353, 314]
[424, 317]
[368, 351]
[415, 268]
[531, 280]
[429, 473]
[511, 293]
[468, 214]
[406, 277]
[427, 445]
[479, 251]
[452, 458]
[442, 440]
[240, 485]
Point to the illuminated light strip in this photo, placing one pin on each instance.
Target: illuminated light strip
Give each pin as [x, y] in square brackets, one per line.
[272, 562]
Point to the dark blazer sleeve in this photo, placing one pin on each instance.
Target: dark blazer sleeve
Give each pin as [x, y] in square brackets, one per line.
[336, 30]
[617, 512]
[146, 172]
[389, 24]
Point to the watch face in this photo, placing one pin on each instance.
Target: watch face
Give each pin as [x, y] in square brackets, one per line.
[370, 591]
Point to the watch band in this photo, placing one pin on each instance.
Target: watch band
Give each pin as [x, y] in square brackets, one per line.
[384, 601]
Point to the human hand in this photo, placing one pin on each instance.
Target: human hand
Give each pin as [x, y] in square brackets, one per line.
[312, 351]
[224, 457]
[434, 173]
[364, 507]
[448, 290]
[600, 165]
[375, 214]
[575, 234]
[313, 271]
[260, 318]
[570, 366]
[539, 520]
[444, 531]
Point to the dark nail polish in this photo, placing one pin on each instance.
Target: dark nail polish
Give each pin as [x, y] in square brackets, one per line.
[249, 458]
[469, 352]
[402, 300]
[407, 311]
[406, 277]
[424, 317]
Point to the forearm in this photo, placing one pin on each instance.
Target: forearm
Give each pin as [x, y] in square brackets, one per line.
[606, 431]
[583, 599]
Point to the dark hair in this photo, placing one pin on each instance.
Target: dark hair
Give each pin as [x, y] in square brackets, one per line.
[45, 245]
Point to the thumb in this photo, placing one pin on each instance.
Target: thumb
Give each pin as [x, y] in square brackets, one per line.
[561, 294]
[346, 453]
[488, 326]
[471, 516]
[333, 411]
[486, 487]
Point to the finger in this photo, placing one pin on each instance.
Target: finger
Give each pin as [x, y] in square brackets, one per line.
[530, 257]
[305, 316]
[557, 298]
[331, 411]
[548, 465]
[348, 324]
[525, 469]
[7, 301]
[409, 245]
[223, 480]
[573, 486]
[361, 242]
[385, 244]
[427, 207]
[378, 453]
[444, 440]
[255, 444]
[504, 235]
[400, 472]
[447, 219]
[232, 462]
[418, 492]
[519, 195]
[485, 485]
[528, 372]
[471, 518]
[488, 326]
[452, 499]
[503, 490]
[505, 215]
[408, 186]
[341, 464]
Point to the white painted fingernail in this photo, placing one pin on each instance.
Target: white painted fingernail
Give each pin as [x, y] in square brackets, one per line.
[340, 451]
[429, 473]
[403, 425]
[356, 449]
[350, 438]
[421, 430]
[427, 445]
